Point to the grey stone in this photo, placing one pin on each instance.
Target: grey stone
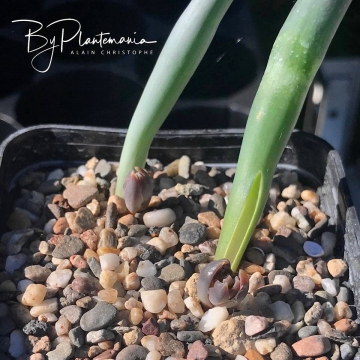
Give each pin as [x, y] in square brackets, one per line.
[307, 331]
[313, 314]
[94, 266]
[37, 273]
[68, 245]
[63, 351]
[132, 352]
[77, 336]
[192, 233]
[189, 336]
[343, 295]
[111, 216]
[298, 310]
[347, 351]
[322, 296]
[137, 230]
[72, 312]
[99, 317]
[328, 312]
[281, 352]
[152, 283]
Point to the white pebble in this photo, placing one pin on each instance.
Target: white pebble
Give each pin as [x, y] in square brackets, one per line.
[265, 346]
[47, 306]
[17, 344]
[194, 306]
[168, 236]
[212, 318]
[81, 170]
[240, 357]
[14, 262]
[162, 217]
[146, 269]
[23, 284]
[329, 286]
[48, 228]
[282, 311]
[59, 278]
[109, 261]
[284, 282]
[175, 302]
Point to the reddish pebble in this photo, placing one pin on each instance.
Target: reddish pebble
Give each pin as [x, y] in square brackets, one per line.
[197, 351]
[346, 325]
[315, 345]
[90, 239]
[78, 261]
[150, 327]
[55, 240]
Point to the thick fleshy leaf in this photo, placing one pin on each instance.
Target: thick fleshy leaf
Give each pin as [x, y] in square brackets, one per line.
[219, 293]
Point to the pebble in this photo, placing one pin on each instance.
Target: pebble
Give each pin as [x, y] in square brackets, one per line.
[63, 351]
[313, 314]
[255, 325]
[342, 311]
[59, 278]
[72, 312]
[347, 351]
[152, 283]
[228, 336]
[343, 295]
[328, 242]
[130, 352]
[328, 312]
[313, 249]
[15, 240]
[17, 344]
[282, 311]
[99, 317]
[77, 336]
[282, 352]
[202, 177]
[329, 286]
[304, 283]
[184, 166]
[337, 267]
[109, 261]
[68, 245]
[307, 331]
[298, 310]
[192, 233]
[256, 281]
[154, 300]
[162, 217]
[322, 297]
[217, 204]
[212, 318]
[284, 282]
[94, 266]
[265, 346]
[169, 346]
[78, 196]
[94, 337]
[190, 336]
[171, 273]
[146, 269]
[315, 345]
[15, 262]
[197, 351]
[346, 325]
[281, 218]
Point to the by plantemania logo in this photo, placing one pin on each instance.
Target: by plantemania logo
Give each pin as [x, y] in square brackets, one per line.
[75, 42]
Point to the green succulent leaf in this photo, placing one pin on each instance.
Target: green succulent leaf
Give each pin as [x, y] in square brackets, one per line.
[295, 58]
[182, 53]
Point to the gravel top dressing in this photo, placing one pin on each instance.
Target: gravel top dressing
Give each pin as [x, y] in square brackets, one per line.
[82, 278]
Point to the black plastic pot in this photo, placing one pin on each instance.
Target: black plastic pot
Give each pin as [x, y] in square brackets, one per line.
[317, 164]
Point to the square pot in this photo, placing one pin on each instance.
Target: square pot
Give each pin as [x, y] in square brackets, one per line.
[317, 164]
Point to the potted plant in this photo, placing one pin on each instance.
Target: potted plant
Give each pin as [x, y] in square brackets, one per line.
[256, 178]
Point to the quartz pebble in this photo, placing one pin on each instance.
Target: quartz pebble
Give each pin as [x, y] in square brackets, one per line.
[163, 217]
[154, 300]
[212, 318]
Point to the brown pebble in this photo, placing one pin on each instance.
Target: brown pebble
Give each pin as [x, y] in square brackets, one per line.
[337, 267]
[120, 204]
[60, 226]
[78, 261]
[212, 233]
[128, 220]
[37, 357]
[155, 201]
[209, 218]
[250, 268]
[94, 351]
[169, 346]
[315, 345]
[253, 355]
[55, 240]
[78, 196]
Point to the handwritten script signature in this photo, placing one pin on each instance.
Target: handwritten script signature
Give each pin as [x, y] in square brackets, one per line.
[48, 45]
